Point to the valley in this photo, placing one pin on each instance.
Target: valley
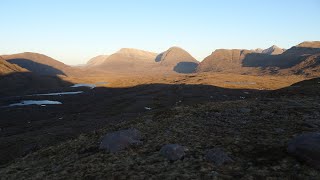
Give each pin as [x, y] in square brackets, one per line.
[53, 116]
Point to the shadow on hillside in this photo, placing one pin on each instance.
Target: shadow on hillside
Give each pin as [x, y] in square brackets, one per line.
[29, 128]
[35, 67]
[288, 59]
[159, 57]
[28, 83]
[185, 67]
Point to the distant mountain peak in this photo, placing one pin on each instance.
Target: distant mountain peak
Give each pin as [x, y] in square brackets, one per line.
[135, 51]
[273, 50]
[173, 55]
[175, 48]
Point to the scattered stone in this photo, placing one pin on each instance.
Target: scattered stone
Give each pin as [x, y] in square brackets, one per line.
[173, 152]
[214, 174]
[306, 147]
[147, 108]
[120, 140]
[218, 157]
[279, 130]
[245, 110]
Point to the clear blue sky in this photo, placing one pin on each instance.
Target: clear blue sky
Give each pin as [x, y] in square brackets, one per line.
[73, 31]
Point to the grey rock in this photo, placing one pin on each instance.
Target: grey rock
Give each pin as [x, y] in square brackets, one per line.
[245, 110]
[120, 140]
[218, 157]
[173, 152]
[306, 147]
[279, 130]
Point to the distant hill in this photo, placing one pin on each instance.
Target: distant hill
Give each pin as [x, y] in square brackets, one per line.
[301, 59]
[128, 60]
[96, 61]
[309, 44]
[40, 64]
[224, 60]
[178, 60]
[7, 68]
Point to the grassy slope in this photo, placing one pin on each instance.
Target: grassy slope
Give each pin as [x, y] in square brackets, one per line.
[255, 140]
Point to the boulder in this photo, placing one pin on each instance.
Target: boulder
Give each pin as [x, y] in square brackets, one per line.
[173, 152]
[306, 147]
[120, 140]
[218, 157]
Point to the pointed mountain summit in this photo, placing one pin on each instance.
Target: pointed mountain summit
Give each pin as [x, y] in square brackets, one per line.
[273, 50]
[177, 59]
[174, 55]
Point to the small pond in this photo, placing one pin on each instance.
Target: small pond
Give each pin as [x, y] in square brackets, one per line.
[34, 102]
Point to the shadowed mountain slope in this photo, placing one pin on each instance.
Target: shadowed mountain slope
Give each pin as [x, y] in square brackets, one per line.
[7, 68]
[40, 64]
[296, 60]
[177, 59]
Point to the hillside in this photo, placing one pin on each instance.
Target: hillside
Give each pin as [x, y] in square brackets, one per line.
[128, 60]
[300, 59]
[233, 139]
[309, 44]
[224, 60]
[40, 64]
[96, 61]
[7, 68]
[177, 59]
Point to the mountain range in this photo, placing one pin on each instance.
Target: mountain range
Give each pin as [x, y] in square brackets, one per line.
[130, 60]
[301, 59]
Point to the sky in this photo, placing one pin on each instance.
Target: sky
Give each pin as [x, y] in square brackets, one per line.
[73, 31]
